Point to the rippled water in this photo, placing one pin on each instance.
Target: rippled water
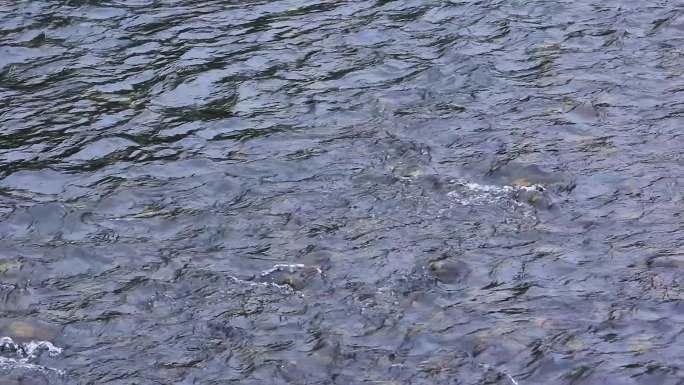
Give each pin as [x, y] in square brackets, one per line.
[341, 192]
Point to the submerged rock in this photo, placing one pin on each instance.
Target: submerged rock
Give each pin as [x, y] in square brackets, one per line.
[22, 342]
[23, 331]
[667, 261]
[529, 176]
[449, 271]
[9, 265]
[296, 276]
[534, 196]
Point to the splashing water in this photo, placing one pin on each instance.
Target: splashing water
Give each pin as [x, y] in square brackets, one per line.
[24, 353]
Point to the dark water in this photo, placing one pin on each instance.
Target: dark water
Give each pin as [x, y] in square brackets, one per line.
[341, 192]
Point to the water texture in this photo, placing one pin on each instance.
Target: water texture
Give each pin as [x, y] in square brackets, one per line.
[341, 192]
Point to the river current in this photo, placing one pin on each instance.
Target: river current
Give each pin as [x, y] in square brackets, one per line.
[341, 192]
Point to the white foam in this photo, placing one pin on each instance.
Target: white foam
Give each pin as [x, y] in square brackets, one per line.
[486, 188]
[13, 363]
[262, 284]
[30, 348]
[470, 193]
[25, 352]
[289, 267]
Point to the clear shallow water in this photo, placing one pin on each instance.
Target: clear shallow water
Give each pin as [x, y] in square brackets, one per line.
[390, 192]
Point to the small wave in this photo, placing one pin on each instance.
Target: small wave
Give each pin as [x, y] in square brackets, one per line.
[14, 363]
[291, 268]
[25, 352]
[29, 349]
[296, 276]
[261, 284]
[470, 193]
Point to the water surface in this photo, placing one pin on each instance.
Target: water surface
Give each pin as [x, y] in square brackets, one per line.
[341, 192]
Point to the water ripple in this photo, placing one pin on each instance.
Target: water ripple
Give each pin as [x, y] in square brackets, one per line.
[326, 192]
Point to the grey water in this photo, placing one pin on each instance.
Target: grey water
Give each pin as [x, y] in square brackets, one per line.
[341, 192]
